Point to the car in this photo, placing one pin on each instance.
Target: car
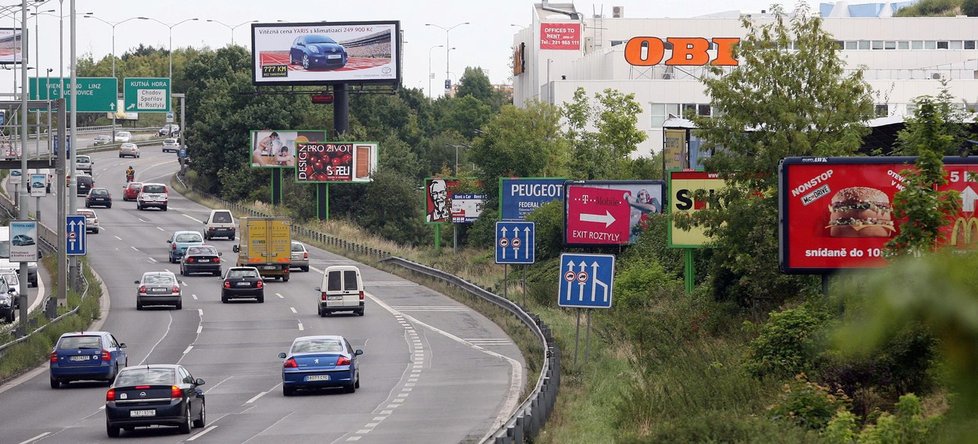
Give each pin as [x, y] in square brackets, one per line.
[8, 299]
[220, 223]
[300, 256]
[320, 361]
[201, 259]
[159, 288]
[123, 136]
[102, 139]
[131, 191]
[243, 282]
[84, 182]
[84, 163]
[317, 51]
[12, 279]
[181, 240]
[84, 356]
[171, 145]
[98, 197]
[129, 150]
[154, 395]
[152, 195]
[168, 130]
[341, 290]
[91, 220]
[22, 240]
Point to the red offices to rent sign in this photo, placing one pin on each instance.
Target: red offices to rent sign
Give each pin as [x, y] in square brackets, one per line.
[560, 36]
[609, 212]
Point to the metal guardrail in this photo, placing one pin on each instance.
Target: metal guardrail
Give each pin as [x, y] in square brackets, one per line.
[532, 414]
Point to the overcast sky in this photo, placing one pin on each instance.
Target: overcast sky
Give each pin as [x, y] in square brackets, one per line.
[485, 42]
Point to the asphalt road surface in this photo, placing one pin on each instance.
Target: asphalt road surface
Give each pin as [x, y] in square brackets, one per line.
[433, 370]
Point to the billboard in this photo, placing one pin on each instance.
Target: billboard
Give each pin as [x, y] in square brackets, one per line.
[690, 191]
[343, 162]
[674, 148]
[438, 202]
[277, 148]
[323, 53]
[609, 212]
[467, 207]
[23, 241]
[520, 196]
[560, 36]
[10, 42]
[837, 213]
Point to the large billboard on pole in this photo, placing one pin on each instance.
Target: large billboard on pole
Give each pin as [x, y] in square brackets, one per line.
[609, 212]
[340, 162]
[277, 148]
[10, 41]
[837, 213]
[323, 53]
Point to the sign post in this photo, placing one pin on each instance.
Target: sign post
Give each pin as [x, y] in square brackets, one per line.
[690, 191]
[147, 94]
[586, 281]
[515, 244]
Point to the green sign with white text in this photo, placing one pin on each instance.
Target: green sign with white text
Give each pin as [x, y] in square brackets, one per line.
[95, 94]
[146, 94]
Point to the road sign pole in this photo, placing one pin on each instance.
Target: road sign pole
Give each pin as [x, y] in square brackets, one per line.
[62, 186]
[587, 338]
[438, 238]
[505, 280]
[577, 336]
[689, 270]
[523, 284]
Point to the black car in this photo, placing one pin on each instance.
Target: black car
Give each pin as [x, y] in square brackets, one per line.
[243, 282]
[85, 184]
[317, 51]
[201, 259]
[98, 197]
[155, 394]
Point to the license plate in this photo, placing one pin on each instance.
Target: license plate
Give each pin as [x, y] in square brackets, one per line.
[317, 378]
[158, 290]
[243, 284]
[334, 56]
[78, 358]
[269, 267]
[334, 298]
[205, 260]
[141, 413]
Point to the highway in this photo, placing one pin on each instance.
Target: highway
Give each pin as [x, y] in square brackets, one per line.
[433, 370]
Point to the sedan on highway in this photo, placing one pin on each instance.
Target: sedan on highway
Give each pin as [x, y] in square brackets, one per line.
[181, 240]
[171, 144]
[318, 362]
[243, 282]
[201, 259]
[129, 150]
[98, 197]
[158, 288]
[103, 139]
[154, 395]
[122, 136]
[84, 164]
[89, 355]
[300, 256]
[91, 220]
[131, 191]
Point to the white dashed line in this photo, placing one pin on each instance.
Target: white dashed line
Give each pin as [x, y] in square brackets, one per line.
[293, 310]
[193, 218]
[202, 433]
[189, 347]
[133, 248]
[195, 298]
[38, 438]
[353, 438]
[153, 260]
[158, 228]
[117, 237]
[280, 295]
[255, 398]
[301, 327]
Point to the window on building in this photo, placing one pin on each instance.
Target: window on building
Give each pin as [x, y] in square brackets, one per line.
[903, 44]
[617, 42]
[882, 110]
[889, 44]
[852, 44]
[688, 109]
[969, 44]
[877, 44]
[942, 44]
[930, 44]
[955, 44]
[917, 44]
[658, 112]
[864, 44]
[703, 110]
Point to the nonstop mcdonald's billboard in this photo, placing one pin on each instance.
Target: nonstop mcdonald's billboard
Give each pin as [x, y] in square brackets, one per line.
[837, 212]
[327, 162]
[324, 53]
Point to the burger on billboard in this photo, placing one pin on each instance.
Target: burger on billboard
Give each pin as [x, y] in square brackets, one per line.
[325, 162]
[323, 53]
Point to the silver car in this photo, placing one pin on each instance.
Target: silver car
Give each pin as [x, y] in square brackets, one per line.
[103, 139]
[128, 150]
[158, 288]
[84, 164]
[300, 256]
[170, 144]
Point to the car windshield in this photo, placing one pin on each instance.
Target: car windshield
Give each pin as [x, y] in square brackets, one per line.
[154, 189]
[146, 376]
[189, 237]
[317, 345]
[79, 342]
[222, 218]
[10, 278]
[100, 192]
[87, 213]
[201, 251]
[296, 246]
[123, 134]
[82, 159]
[319, 39]
[135, 185]
[171, 141]
[158, 279]
[242, 273]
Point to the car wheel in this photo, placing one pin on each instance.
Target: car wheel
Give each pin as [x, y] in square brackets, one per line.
[139, 207]
[261, 299]
[164, 207]
[305, 269]
[288, 391]
[305, 61]
[224, 299]
[111, 430]
[95, 231]
[182, 273]
[87, 205]
[285, 278]
[185, 425]
[55, 384]
[320, 310]
[139, 306]
[360, 312]
[202, 419]
[357, 384]
[180, 305]
[120, 155]
[108, 206]
[218, 272]
[351, 388]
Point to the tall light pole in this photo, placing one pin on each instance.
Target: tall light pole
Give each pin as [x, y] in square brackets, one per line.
[448, 48]
[431, 74]
[37, 84]
[112, 25]
[170, 50]
[231, 28]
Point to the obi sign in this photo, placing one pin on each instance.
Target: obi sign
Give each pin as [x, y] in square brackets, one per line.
[609, 212]
[686, 51]
[560, 36]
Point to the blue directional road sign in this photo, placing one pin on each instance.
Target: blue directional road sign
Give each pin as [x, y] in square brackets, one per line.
[515, 242]
[75, 233]
[586, 280]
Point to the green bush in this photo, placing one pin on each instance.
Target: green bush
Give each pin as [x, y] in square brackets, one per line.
[788, 342]
[906, 425]
[722, 427]
[549, 226]
[807, 404]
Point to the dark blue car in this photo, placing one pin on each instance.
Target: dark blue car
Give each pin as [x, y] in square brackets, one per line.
[317, 51]
[155, 395]
[89, 355]
[319, 362]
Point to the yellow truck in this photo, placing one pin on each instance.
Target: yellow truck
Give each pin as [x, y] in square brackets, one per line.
[266, 244]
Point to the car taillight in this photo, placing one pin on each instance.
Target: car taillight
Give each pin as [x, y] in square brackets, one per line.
[141, 387]
[176, 289]
[227, 284]
[305, 255]
[290, 363]
[110, 395]
[259, 284]
[323, 296]
[54, 357]
[361, 295]
[142, 289]
[190, 260]
[342, 360]
[176, 392]
[106, 356]
[173, 246]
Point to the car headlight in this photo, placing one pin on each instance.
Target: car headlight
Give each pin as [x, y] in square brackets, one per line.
[314, 49]
[5, 299]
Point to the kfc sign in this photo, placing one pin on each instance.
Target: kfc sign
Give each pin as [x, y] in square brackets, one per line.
[686, 51]
[560, 36]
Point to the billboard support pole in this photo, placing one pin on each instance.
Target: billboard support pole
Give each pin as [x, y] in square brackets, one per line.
[63, 187]
[825, 284]
[277, 186]
[587, 337]
[505, 280]
[689, 269]
[322, 201]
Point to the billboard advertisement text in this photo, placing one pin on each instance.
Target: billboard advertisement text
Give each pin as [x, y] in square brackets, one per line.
[609, 212]
[519, 196]
[690, 191]
[560, 36]
[335, 162]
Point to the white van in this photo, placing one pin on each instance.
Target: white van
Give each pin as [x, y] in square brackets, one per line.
[341, 290]
[220, 223]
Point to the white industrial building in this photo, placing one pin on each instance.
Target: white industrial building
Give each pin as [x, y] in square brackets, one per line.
[902, 58]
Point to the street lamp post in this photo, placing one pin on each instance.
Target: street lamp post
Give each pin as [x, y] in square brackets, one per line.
[448, 48]
[231, 28]
[170, 27]
[430, 74]
[112, 25]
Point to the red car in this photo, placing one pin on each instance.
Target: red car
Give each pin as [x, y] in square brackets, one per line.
[131, 190]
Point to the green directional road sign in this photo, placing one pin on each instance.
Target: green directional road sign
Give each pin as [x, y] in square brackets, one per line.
[95, 94]
[147, 94]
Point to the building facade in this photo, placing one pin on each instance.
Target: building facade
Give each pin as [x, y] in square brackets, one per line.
[901, 58]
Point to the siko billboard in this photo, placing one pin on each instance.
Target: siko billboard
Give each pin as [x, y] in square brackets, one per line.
[609, 212]
[324, 53]
[520, 196]
[837, 213]
[689, 192]
[342, 162]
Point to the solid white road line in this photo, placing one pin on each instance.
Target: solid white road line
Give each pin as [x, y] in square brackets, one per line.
[133, 248]
[154, 260]
[36, 438]
[117, 237]
[189, 347]
[150, 352]
[193, 218]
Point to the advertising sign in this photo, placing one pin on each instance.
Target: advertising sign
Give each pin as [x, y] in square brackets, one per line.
[690, 191]
[837, 213]
[10, 41]
[323, 53]
[560, 36]
[674, 148]
[467, 207]
[277, 148]
[343, 162]
[23, 241]
[149, 94]
[609, 212]
[38, 184]
[684, 51]
[438, 204]
[520, 196]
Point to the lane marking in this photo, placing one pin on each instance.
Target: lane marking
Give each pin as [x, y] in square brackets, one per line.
[280, 295]
[202, 432]
[154, 260]
[193, 218]
[255, 398]
[199, 328]
[158, 228]
[189, 347]
[195, 298]
[301, 327]
[293, 310]
[219, 383]
[168, 324]
[36, 438]
[117, 237]
[133, 248]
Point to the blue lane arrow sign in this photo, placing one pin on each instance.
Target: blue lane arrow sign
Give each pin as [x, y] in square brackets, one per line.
[586, 280]
[515, 242]
[75, 233]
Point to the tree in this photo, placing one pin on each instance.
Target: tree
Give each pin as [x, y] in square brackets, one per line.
[604, 153]
[969, 8]
[776, 103]
[474, 83]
